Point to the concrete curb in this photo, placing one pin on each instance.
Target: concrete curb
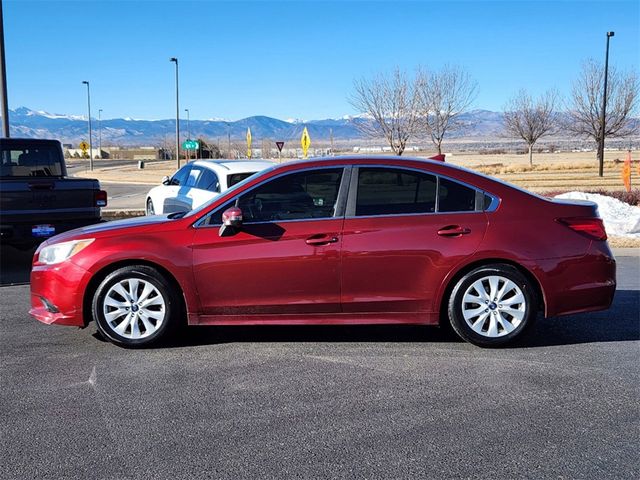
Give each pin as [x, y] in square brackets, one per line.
[626, 252]
[116, 214]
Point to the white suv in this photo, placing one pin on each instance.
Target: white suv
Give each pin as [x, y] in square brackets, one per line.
[198, 182]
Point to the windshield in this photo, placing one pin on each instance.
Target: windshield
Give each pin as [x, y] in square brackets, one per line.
[29, 160]
[237, 178]
[228, 192]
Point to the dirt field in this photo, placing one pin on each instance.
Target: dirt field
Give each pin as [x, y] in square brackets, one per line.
[551, 171]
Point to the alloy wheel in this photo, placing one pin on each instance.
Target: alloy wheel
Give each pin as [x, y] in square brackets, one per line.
[134, 308]
[493, 306]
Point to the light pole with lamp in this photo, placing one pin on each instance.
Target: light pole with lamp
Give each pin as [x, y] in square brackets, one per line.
[89, 108]
[100, 133]
[188, 130]
[175, 60]
[604, 108]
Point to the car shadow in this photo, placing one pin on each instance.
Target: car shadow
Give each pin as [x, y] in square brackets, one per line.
[618, 324]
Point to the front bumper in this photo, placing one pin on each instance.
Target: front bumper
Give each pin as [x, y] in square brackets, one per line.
[57, 293]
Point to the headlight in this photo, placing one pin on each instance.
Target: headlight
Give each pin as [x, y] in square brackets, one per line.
[59, 252]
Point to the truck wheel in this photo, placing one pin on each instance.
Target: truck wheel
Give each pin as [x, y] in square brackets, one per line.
[492, 305]
[150, 209]
[135, 306]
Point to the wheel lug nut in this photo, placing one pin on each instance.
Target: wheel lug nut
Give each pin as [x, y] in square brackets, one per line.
[486, 310]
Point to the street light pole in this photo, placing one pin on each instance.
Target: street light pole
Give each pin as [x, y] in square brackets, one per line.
[4, 102]
[90, 143]
[100, 133]
[604, 108]
[188, 130]
[175, 60]
[188, 124]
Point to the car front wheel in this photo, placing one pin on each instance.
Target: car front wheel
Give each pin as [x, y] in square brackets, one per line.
[150, 209]
[492, 305]
[134, 306]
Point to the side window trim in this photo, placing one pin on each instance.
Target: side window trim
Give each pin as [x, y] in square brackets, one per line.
[340, 201]
[353, 194]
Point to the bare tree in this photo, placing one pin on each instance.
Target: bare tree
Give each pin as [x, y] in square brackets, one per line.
[391, 102]
[585, 110]
[444, 96]
[531, 119]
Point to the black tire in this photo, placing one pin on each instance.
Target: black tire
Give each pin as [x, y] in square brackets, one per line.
[498, 324]
[161, 293]
[150, 210]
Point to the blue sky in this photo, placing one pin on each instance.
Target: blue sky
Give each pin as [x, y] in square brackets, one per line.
[293, 59]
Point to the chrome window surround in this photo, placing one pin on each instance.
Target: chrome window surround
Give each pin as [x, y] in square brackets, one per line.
[345, 202]
[341, 200]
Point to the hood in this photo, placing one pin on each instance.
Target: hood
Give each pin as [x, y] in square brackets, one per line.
[116, 227]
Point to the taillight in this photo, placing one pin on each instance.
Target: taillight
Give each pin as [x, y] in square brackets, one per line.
[100, 198]
[591, 227]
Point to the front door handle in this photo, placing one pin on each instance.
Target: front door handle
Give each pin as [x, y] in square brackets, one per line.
[453, 231]
[321, 239]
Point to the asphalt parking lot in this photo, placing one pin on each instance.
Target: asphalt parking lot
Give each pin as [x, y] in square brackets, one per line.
[324, 402]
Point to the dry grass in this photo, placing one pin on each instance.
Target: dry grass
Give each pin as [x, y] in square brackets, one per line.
[622, 242]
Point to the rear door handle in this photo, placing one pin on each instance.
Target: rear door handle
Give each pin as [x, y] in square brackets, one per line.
[321, 239]
[453, 231]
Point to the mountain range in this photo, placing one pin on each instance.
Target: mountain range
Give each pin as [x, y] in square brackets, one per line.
[128, 132]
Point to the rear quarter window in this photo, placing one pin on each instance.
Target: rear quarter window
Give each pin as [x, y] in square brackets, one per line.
[455, 197]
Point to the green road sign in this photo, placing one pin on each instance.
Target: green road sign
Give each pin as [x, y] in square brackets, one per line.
[190, 144]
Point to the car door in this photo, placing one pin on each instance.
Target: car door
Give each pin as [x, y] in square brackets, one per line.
[401, 238]
[171, 192]
[285, 259]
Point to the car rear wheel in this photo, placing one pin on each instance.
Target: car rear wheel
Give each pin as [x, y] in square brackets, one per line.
[150, 209]
[134, 306]
[492, 305]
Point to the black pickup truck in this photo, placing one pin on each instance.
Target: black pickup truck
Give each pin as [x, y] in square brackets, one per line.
[37, 199]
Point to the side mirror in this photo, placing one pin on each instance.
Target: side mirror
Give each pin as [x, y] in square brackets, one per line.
[231, 221]
[166, 180]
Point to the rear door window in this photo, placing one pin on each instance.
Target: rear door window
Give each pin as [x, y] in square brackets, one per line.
[181, 176]
[388, 191]
[208, 180]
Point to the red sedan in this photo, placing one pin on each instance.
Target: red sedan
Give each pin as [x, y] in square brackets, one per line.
[335, 241]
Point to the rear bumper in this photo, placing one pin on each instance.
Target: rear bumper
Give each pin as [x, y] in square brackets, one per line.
[583, 284]
[57, 293]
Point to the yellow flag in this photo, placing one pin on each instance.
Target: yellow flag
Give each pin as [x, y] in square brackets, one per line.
[305, 141]
[248, 143]
[626, 172]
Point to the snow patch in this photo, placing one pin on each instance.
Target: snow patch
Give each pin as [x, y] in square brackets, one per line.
[620, 219]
